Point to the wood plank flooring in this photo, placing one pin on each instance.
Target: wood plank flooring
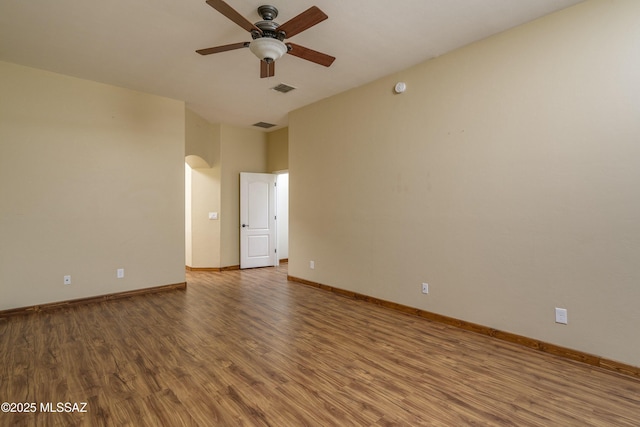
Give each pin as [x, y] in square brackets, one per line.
[248, 348]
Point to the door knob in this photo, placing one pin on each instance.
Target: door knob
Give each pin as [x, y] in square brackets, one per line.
[245, 225]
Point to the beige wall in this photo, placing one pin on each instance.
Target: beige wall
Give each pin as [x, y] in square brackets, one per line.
[202, 141]
[506, 177]
[278, 150]
[205, 233]
[91, 180]
[242, 150]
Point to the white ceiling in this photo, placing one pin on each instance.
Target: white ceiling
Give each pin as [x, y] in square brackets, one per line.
[149, 46]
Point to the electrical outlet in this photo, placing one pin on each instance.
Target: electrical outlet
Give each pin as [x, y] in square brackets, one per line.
[120, 273]
[425, 288]
[67, 280]
[312, 265]
[561, 316]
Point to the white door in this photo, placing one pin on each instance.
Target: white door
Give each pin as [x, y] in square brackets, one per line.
[257, 220]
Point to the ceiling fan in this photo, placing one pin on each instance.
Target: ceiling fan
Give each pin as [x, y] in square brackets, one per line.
[268, 36]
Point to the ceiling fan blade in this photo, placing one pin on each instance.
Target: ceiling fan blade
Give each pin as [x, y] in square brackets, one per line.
[267, 70]
[305, 20]
[310, 55]
[216, 49]
[231, 13]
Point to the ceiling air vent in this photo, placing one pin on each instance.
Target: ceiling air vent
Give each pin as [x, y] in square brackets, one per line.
[264, 125]
[283, 88]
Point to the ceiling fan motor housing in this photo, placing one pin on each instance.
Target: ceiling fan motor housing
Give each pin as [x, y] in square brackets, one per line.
[268, 26]
[269, 45]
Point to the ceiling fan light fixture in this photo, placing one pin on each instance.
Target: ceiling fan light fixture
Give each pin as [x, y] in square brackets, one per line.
[268, 49]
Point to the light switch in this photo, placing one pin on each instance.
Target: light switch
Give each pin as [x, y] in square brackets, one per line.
[561, 316]
[213, 215]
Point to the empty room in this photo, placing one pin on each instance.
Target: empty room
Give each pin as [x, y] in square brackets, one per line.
[236, 212]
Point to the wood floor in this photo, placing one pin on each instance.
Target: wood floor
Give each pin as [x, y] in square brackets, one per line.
[248, 348]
